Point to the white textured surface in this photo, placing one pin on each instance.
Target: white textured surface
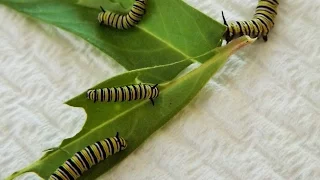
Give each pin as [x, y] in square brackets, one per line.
[258, 119]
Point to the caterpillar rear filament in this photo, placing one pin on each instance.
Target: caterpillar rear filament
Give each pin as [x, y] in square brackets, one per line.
[125, 93]
[260, 25]
[91, 155]
[127, 21]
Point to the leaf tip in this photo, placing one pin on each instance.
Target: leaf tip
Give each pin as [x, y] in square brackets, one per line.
[244, 40]
[250, 40]
[240, 42]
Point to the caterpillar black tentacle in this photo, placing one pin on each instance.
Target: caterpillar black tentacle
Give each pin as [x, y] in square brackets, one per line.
[124, 93]
[259, 26]
[120, 21]
[228, 38]
[154, 86]
[102, 9]
[83, 160]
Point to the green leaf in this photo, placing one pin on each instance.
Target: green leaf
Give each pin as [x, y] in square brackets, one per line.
[135, 120]
[170, 31]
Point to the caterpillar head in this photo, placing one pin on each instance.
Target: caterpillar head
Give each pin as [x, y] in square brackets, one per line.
[100, 15]
[89, 92]
[155, 91]
[122, 142]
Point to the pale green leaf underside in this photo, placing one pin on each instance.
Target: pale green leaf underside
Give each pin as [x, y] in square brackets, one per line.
[135, 120]
[170, 31]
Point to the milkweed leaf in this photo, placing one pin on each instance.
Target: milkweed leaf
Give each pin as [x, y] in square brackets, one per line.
[170, 31]
[135, 120]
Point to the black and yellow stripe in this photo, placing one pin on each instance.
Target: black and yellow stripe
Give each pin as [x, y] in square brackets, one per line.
[125, 93]
[259, 26]
[83, 160]
[127, 21]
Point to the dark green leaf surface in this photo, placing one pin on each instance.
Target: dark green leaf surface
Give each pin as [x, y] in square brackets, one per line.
[135, 120]
[170, 31]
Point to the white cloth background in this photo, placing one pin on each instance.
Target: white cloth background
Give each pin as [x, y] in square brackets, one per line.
[259, 118]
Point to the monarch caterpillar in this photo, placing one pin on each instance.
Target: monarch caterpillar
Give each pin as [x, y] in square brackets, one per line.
[260, 25]
[83, 160]
[120, 21]
[125, 93]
